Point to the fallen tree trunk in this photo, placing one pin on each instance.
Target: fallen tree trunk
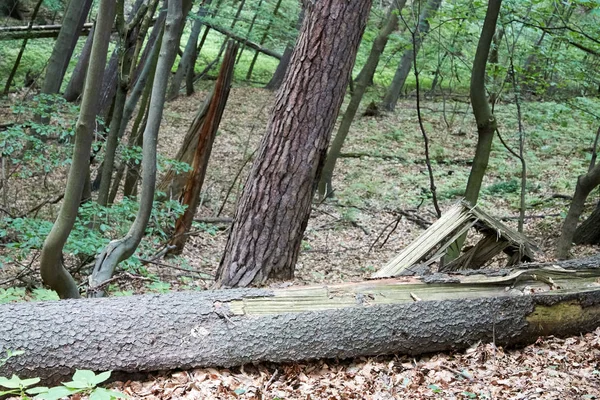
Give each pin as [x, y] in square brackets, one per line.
[238, 326]
[36, 31]
[243, 40]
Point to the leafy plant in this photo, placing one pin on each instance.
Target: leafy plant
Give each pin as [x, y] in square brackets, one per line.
[83, 382]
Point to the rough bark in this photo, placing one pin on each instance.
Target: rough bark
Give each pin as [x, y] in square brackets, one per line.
[206, 138]
[393, 93]
[53, 272]
[273, 210]
[585, 184]
[235, 327]
[188, 53]
[363, 81]
[589, 230]
[13, 72]
[121, 249]
[72, 23]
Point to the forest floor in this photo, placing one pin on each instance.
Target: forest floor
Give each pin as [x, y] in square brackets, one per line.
[383, 174]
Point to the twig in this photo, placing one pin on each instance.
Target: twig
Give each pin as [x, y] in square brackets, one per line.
[273, 377]
[159, 264]
[116, 278]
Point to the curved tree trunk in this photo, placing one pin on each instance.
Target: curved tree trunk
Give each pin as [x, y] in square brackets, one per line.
[393, 93]
[273, 210]
[53, 272]
[363, 81]
[121, 249]
[486, 122]
[585, 184]
[65, 44]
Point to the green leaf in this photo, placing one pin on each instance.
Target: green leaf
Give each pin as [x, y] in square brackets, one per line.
[435, 388]
[106, 394]
[101, 377]
[37, 390]
[84, 375]
[16, 383]
[56, 393]
[15, 391]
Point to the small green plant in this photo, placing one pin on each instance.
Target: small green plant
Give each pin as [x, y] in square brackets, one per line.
[83, 382]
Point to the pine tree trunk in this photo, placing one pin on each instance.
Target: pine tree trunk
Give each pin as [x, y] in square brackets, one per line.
[273, 210]
[53, 272]
[365, 77]
[393, 93]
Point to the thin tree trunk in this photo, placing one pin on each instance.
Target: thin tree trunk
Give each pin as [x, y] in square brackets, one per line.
[585, 184]
[206, 138]
[393, 93]
[262, 40]
[284, 62]
[52, 269]
[273, 210]
[121, 249]
[188, 54]
[13, 72]
[77, 81]
[65, 44]
[486, 121]
[250, 28]
[365, 76]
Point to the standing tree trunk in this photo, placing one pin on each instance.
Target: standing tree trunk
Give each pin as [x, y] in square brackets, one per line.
[53, 272]
[486, 122]
[585, 184]
[121, 249]
[273, 210]
[77, 81]
[364, 78]
[263, 39]
[284, 62]
[391, 97]
[589, 230]
[185, 63]
[250, 28]
[206, 138]
[13, 72]
[65, 44]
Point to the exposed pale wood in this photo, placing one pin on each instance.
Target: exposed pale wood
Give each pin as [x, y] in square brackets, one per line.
[36, 31]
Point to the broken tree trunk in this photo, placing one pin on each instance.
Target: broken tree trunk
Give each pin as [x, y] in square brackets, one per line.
[239, 326]
[37, 31]
[243, 40]
[206, 138]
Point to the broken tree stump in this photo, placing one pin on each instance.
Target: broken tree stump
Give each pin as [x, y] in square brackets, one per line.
[238, 326]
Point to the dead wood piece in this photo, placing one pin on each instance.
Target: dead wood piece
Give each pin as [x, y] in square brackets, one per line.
[233, 327]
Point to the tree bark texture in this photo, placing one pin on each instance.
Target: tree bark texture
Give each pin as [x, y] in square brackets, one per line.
[585, 184]
[53, 272]
[225, 328]
[65, 44]
[206, 138]
[393, 93]
[273, 210]
[589, 230]
[121, 249]
[363, 81]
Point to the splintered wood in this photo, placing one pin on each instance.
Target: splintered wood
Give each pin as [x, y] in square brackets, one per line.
[456, 222]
